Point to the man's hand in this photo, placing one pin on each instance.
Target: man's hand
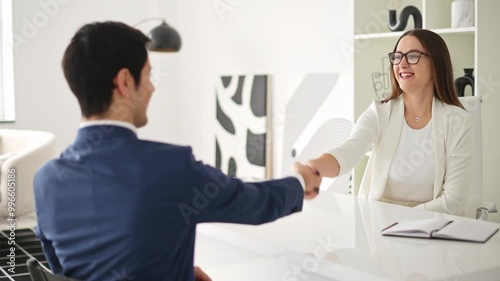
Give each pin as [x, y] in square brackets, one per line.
[312, 180]
[200, 275]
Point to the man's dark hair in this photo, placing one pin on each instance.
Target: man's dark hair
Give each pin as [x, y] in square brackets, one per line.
[93, 58]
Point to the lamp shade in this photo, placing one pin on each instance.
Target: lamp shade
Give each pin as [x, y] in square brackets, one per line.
[164, 39]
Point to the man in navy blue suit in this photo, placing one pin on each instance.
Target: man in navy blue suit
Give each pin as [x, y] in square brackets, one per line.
[114, 206]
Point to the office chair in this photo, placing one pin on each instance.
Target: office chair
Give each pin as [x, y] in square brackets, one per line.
[39, 273]
[475, 207]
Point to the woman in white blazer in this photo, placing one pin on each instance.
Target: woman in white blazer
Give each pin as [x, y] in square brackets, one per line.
[420, 137]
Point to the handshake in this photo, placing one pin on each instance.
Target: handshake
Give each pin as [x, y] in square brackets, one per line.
[312, 178]
[324, 166]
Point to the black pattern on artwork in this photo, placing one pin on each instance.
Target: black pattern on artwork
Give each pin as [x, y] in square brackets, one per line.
[218, 156]
[258, 97]
[237, 98]
[232, 167]
[226, 80]
[224, 120]
[256, 153]
[253, 143]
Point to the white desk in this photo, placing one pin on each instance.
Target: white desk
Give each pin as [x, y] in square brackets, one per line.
[338, 237]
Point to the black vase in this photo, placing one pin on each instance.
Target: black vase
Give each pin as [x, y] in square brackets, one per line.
[403, 18]
[462, 82]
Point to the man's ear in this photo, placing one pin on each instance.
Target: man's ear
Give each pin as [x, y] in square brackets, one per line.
[123, 81]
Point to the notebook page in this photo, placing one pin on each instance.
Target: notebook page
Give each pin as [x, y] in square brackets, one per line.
[416, 228]
[476, 231]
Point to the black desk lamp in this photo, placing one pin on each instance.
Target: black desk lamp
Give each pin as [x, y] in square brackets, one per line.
[164, 38]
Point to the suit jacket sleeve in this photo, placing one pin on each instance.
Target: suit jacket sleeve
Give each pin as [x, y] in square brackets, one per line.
[216, 197]
[49, 252]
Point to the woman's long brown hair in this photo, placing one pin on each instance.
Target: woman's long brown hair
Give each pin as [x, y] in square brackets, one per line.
[442, 71]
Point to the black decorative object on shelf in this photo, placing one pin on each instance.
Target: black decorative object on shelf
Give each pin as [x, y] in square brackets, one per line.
[462, 82]
[403, 18]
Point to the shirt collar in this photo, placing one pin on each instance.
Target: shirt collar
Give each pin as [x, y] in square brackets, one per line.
[122, 124]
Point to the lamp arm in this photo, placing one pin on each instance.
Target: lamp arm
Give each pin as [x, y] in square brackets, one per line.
[149, 19]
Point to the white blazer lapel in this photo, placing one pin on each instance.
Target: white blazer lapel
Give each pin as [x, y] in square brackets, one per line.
[388, 146]
[438, 136]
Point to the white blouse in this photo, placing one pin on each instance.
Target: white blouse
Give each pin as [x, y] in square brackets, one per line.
[412, 172]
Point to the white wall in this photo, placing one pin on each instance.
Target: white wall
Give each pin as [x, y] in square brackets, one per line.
[43, 29]
[283, 38]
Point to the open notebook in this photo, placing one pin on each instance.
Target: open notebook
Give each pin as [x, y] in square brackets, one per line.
[442, 228]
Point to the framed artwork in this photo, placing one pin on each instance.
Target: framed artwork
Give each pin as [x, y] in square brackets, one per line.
[242, 137]
[381, 80]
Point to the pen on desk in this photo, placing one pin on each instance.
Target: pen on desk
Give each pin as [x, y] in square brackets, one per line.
[389, 226]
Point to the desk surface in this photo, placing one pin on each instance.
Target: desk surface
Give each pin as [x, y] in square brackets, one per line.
[338, 237]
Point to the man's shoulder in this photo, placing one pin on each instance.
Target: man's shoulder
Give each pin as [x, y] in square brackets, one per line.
[161, 154]
[162, 147]
[48, 172]
[47, 166]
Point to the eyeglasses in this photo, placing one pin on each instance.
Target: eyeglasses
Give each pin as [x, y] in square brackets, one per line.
[412, 57]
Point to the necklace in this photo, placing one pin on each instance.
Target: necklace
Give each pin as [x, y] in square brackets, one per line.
[417, 118]
[409, 111]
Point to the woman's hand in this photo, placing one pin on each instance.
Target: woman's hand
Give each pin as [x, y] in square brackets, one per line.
[200, 275]
[326, 166]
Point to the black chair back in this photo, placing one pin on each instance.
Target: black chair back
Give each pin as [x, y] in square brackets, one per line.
[38, 273]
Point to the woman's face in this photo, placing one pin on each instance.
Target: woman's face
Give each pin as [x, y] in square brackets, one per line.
[413, 77]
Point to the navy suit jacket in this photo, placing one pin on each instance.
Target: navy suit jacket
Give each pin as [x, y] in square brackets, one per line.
[114, 207]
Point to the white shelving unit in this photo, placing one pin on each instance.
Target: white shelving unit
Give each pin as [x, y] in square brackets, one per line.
[470, 47]
[442, 31]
